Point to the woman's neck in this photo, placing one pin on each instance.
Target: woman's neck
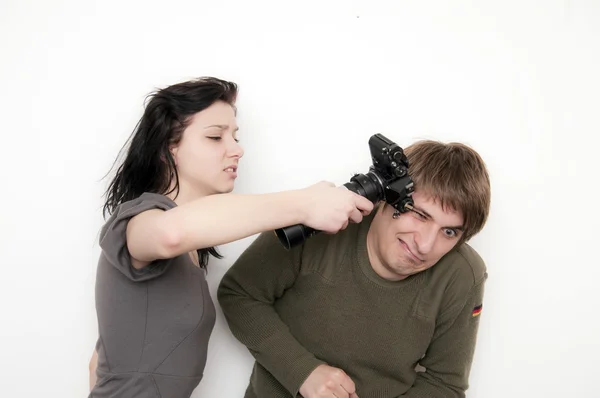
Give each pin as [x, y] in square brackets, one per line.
[184, 194]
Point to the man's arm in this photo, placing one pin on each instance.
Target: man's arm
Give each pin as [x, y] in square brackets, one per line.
[449, 356]
[247, 294]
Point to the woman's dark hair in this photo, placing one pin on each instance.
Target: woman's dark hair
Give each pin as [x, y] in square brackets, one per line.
[149, 165]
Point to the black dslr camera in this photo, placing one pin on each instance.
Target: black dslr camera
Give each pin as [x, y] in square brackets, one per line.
[386, 180]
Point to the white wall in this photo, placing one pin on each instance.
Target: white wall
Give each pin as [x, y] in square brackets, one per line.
[518, 80]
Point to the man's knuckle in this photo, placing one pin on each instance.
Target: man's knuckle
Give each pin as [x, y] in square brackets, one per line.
[337, 373]
[322, 389]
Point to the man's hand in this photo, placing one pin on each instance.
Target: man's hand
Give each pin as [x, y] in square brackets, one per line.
[328, 382]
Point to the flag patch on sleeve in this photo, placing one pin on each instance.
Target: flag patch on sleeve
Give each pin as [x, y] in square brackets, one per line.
[477, 310]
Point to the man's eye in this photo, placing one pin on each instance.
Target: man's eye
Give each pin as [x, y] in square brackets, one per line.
[450, 232]
[418, 215]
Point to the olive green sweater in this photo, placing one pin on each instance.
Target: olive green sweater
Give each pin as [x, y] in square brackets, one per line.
[322, 303]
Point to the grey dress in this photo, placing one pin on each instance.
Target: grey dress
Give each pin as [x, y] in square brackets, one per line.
[154, 324]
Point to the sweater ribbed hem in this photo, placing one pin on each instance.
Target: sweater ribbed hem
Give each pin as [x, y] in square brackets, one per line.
[300, 373]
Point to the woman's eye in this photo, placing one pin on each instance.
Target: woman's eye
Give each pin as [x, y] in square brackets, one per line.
[215, 138]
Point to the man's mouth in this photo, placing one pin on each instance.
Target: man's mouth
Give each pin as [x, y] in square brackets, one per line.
[409, 252]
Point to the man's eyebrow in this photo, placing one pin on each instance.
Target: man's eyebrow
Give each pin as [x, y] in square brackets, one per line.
[427, 215]
[423, 212]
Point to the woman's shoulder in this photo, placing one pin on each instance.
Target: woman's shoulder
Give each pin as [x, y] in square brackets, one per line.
[146, 201]
[131, 208]
[113, 235]
[155, 198]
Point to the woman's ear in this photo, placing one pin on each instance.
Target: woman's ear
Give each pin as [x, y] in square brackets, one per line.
[173, 149]
[172, 152]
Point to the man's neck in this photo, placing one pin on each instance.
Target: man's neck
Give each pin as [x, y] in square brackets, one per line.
[376, 262]
[373, 254]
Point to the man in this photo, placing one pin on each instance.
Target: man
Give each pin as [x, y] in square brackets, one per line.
[386, 308]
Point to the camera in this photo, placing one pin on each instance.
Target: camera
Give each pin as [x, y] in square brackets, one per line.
[387, 180]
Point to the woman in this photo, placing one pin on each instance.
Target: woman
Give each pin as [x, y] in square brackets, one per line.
[170, 204]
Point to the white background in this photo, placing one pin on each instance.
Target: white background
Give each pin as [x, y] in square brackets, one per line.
[517, 80]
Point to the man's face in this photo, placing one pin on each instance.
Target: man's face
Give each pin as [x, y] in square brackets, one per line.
[412, 242]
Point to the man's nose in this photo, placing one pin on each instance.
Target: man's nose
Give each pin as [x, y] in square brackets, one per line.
[425, 239]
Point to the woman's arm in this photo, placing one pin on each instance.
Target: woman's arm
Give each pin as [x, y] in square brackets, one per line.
[223, 218]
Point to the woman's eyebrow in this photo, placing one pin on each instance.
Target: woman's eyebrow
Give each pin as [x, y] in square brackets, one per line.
[222, 127]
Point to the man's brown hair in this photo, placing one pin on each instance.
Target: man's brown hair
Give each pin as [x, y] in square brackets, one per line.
[455, 175]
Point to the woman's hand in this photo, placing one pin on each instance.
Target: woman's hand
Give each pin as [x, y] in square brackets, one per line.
[329, 208]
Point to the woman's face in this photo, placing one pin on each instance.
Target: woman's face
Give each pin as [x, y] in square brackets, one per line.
[208, 153]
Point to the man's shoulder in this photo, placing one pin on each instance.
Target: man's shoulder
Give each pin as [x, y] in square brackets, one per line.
[466, 262]
[269, 243]
[326, 248]
[473, 260]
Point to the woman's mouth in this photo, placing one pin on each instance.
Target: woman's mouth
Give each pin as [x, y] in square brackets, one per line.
[231, 170]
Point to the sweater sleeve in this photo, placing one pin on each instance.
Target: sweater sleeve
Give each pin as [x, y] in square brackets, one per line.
[247, 294]
[448, 359]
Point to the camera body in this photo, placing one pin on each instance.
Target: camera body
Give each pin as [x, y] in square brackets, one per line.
[387, 180]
